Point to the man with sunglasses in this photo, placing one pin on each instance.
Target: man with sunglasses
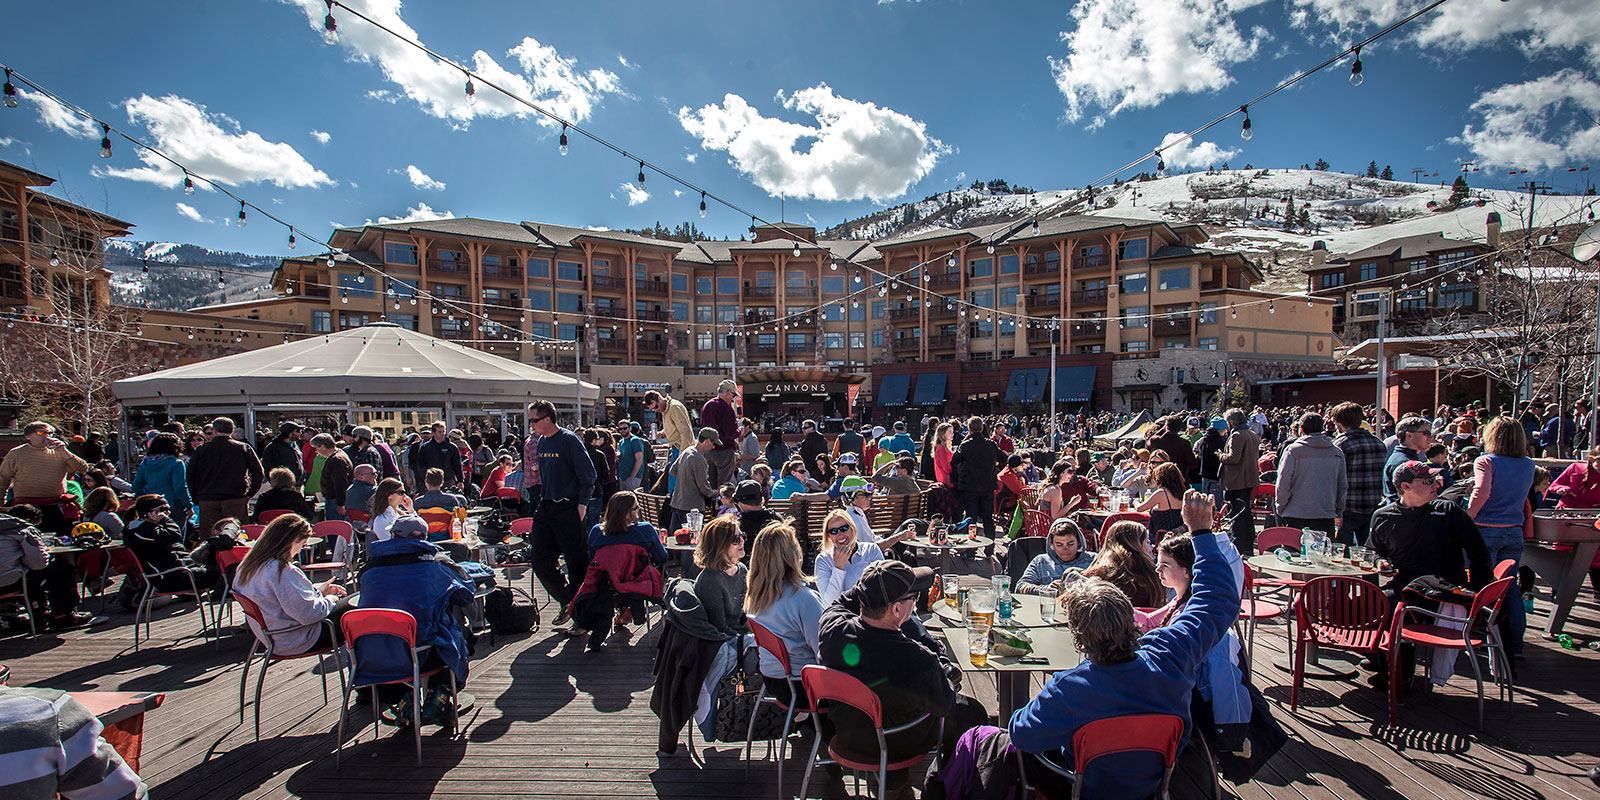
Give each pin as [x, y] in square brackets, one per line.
[567, 475]
[1412, 437]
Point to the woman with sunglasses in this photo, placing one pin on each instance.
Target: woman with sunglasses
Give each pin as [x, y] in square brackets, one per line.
[793, 480]
[721, 582]
[843, 558]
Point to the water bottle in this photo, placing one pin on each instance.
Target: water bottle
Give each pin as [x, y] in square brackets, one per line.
[1003, 600]
[696, 518]
[1308, 538]
[1283, 554]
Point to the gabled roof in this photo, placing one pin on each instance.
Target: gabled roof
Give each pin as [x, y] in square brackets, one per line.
[979, 232]
[1405, 247]
[713, 252]
[566, 236]
[460, 226]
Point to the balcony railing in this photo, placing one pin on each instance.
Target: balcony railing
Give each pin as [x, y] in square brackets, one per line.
[903, 344]
[758, 350]
[610, 282]
[1171, 325]
[652, 345]
[1044, 301]
[651, 287]
[446, 265]
[760, 292]
[315, 291]
[940, 311]
[942, 340]
[1088, 295]
[905, 314]
[501, 271]
[1088, 330]
[654, 316]
[1038, 334]
[1091, 262]
[800, 293]
[613, 345]
[1042, 268]
[944, 281]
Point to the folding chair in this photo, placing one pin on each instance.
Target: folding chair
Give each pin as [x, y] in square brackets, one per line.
[835, 686]
[266, 645]
[768, 641]
[359, 622]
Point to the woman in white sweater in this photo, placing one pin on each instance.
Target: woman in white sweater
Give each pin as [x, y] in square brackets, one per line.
[269, 577]
[389, 503]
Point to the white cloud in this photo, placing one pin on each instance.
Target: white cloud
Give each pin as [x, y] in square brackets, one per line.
[677, 192]
[547, 78]
[189, 211]
[623, 60]
[60, 118]
[857, 150]
[691, 157]
[382, 95]
[415, 213]
[636, 194]
[1181, 151]
[322, 137]
[1535, 26]
[1124, 55]
[212, 145]
[421, 180]
[1537, 123]
[5, 141]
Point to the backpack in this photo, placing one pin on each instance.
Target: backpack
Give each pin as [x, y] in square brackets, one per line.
[736, 700]
[510, 611]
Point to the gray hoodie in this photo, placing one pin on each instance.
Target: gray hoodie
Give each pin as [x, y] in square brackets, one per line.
[21, 548]
[1311, 479]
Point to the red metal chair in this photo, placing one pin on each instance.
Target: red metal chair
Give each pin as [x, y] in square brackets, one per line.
[1478, 630]
[339, 531]
[1153, 733]
[252, 532]
[831, 685]
[27, 604]
[768, 641]
[1337, 613]
[151, 593]
[1035, 522]
[1271, 539]
[1251, 611]
[265, 647]
[1120, 516]
[522, 526]
[268, 516]
[226, 559]
[359, 622]
[1504, 569]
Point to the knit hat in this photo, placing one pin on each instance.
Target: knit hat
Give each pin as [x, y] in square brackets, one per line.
[409, 527]
[886, 582]
[148, 503]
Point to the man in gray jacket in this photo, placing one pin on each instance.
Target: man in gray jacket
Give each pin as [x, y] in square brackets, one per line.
[1311, 479]
[692, 477]
[1240, 477]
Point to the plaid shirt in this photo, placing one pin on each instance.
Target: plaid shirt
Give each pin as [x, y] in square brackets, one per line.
[1364, 457]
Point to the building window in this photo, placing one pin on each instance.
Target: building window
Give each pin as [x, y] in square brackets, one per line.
[396, 253]
[539, 301]
[1369, 271]
[1008, 297]
[1175, 279]
[680, 283]
[1008, 265]
[538, 267]
[1134, 283]
[569, 302]
[833, 284]
[1175, 344]
[1208, 343]
[355, 285]
[858, 312]
[1457, 295]
[447, 291]
[1208, 313]
[728, 287]
[407, 321]
[539, 330]
[1417, 265]
[799, 341]
[569, 271]
[858, 339]
[1091, 256]
[833, 341]
[348, 320]
[568, 331]
[1414, 301]
[702, 313]
[402, 289]
[322, 322]
[727, 313]
[794, 279]
[1135, 347]
[1132, 249]
[983, 298]
[1367, 304]
[833, 312]
[878, 307]
[1136, 316]
[702, 342]
[980, 330]
[980, 268]
[1330, 280]
[702, 287]
[680, 311]
[1447, 259]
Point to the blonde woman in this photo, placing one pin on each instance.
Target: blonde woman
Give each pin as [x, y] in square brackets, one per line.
[270, 578]
[721, 583]
[778, 597]
[842, 559]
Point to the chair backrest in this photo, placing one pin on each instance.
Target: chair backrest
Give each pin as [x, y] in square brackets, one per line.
[832, 685]
[1348, 604]
[359, 622]
[358, 516]
[1035, 522]
[1021, 552]
[1490, 597]
[230, 557]
[268, 516]
[769, 641]
[251, 610]
[1121, 516]
[522, 526]
[1156, 733]
[816, 510]
[1505, 568]
[504, 494]
[333, 528]
[438, 519]
[252, 531]
[1273, 538]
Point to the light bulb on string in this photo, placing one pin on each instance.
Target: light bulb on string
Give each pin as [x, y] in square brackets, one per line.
[330, 259]
[702, 205]
[55, 260]
[291, 239]
[242, 220]
[796, 249]
[989, 249]
[188, 183]
[1244, 131]
[330, 28]
[221, 282]
[1271, 308]
[105, 140]
[1161, 165]
[472, 92]
[562, 149]
[10, 92]
[191, 333]
[1355, 69]
[950, 261]
[833, 265]
[1036, 227]
[641, 174]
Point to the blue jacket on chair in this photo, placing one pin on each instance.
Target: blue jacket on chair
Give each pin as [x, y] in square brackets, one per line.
[416, 577]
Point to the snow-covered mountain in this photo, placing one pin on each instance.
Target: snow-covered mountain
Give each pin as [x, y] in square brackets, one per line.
[182, 276]
[1244, 211]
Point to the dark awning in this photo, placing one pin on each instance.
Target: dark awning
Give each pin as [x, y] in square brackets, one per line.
[1026, 386]
[892, 390]
[1073, 384]
[930, 389]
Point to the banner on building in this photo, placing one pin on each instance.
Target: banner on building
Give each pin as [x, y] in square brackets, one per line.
[850, 399]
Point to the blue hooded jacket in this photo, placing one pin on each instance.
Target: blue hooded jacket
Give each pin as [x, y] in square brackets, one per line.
[166, 476]
[426, 589]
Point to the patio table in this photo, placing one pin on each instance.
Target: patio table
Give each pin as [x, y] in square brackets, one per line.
[1324, 667]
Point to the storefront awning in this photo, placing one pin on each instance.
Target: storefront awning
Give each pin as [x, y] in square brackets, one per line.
[1074, 384]
[930, 389]
[892, 390]
[1026, 385]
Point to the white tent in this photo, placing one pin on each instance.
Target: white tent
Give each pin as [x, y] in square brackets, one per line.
[376, 366]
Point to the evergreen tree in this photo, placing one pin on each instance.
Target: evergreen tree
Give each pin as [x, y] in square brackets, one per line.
[1388, 173]
[1459, 191]
[1321, 165]
[1372, 169]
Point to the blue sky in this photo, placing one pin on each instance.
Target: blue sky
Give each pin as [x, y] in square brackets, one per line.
[839, 106]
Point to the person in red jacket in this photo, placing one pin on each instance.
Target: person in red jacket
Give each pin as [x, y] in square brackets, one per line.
[1012, 486]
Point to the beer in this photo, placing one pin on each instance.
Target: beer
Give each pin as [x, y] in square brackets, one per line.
[978, 645]
[952, 590]
[981, 608]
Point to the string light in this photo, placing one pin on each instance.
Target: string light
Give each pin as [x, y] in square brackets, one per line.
[188, 184]
[796, 249]
[241, 214]
[1271, 308]
[472, 92]
[1161, 165]
[1244, 132]
[833, 264]
[10, 92]
[1355, 69]
[144, 266]
[105, 140]
[562, 149]
[330, 28]
[221, 282]
[291, 238]
[55, 260]
[641, 174]
[702, 199]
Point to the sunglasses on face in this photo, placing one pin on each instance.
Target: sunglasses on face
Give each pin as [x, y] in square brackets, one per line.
[839, 530]
[536, 420]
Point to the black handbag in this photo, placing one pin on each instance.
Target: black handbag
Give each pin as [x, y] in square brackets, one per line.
[510, 611]
[736, 700]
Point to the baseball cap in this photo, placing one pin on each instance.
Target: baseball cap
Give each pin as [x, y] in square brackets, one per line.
[1098, 455]
[877, 430]
[854, 484]
[710, 433]
[633, 427]
[409, 527]
[289, 427]
[900, 425]
[848, 458]
[1416, 470]
[885, 582]
[748, 492]
[1219, 424]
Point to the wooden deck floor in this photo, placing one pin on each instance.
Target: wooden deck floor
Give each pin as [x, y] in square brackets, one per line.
[552, 720]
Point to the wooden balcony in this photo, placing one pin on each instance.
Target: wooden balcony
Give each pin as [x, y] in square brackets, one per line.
[1091, 262]
[502, 272]
[1043, 301]
[760, 292]
[800, 293]
[650, 287]
[438, 265]
[1172, 326]
[610, 282]
[942, 340]
[1038, 334]
[1042, 268]
[653, 316]
[940, 311]
[905, 314]
[652, 345]
[612, 345]
[1088, 330]
[763, 351]
[905, 344]
[944, 281]
[1085, 296]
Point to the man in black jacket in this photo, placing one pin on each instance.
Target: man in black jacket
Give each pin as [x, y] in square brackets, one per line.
[976, 465]
[871, 633]
[284, 451]
[438, 452]
[223, 475]
[1178, 448]
[812, 444]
